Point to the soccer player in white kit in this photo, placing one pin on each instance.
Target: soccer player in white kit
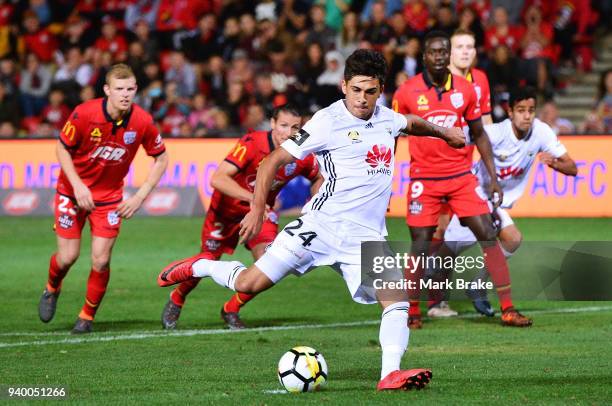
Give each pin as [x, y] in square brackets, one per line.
[354, 141]
[516, 142]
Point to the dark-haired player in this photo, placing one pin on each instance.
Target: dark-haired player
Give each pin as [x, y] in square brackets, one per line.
[233, 183]
[353, 140]
[439, 174]
[516, 142]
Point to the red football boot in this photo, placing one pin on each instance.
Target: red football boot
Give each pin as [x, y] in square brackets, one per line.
[405, 380]
[177, 272]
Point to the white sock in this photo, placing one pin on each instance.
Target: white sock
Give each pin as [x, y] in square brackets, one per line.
[507, 254]
[224, 273]
[393, 336]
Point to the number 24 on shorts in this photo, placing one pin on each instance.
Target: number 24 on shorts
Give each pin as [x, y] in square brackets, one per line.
[306, 236]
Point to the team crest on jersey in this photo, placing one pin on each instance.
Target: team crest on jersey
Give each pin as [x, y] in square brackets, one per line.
[290, 168]
[423, 103]
[354, 136]
[503, 157]
[415, 207]
[456, 100]
[389, 130]
[113, 218]
[129, 137]
[96, 135]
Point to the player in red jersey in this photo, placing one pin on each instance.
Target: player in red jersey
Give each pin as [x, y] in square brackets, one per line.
[462, 61]
[440, 174]
[95, 149]
[233, 182]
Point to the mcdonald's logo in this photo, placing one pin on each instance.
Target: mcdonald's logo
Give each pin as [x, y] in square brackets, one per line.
[69, 130]
[239, 151]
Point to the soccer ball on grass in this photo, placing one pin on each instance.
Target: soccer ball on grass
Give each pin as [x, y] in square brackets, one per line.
[302, 369]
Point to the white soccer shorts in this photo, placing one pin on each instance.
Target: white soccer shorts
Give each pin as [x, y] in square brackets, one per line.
[307, 243]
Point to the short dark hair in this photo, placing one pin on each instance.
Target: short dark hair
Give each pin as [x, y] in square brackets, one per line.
[522, 93]
[435, 34]
[288, 108]
[366, 62]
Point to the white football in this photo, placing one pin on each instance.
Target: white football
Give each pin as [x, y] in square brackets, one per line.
[302, 369]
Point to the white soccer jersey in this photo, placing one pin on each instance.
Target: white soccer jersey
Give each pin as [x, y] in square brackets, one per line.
[514, 158]
[356, 160]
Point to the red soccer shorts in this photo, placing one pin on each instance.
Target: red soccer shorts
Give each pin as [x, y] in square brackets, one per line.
[69, 220]
[427, 197]
[220, 235]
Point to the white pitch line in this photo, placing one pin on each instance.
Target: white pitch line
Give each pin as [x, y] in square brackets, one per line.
[116, 336]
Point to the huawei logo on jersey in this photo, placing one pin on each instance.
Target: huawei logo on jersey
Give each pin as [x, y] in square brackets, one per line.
[379, 158]
[109, 154]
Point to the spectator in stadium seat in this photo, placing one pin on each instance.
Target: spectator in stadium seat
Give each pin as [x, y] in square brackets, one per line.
[87, 93]
[480, 8]
[236, 103]
[77, 34]
[34, 86]
[307, 73]
[318, 31]
[172, 112]
[248, 31]
[402, 50]
[201, 115]
[599, 120]
[255, 119]
[142, 31]
[334, 11]
[347, 39]
[183, 74]
[502, 74]
[550, 115]
[536, 50]
[445, 20]
[56, 112]
[44, 129]
[280, 67]
[223, 127]
[293, 16]
[214, 77]
[329, 82]
[241, 70]
[111, 40]
[416, 14]
[469, 20]
[36, 39]
[144, 11]
[101, 63]
[7, 130]
[199, 44]
[152, 73]
[9, 76]
[230, 39]
[377, 32]
[9, 109]
[72, 67]
[501, 32]
[389, 7]
[266, 95]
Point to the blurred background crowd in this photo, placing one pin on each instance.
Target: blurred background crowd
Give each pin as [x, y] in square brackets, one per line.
[217, 68]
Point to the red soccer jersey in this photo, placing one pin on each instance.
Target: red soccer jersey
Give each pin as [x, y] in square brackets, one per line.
[447, 107]
[481, 86]
[248, 153]
[102, 149]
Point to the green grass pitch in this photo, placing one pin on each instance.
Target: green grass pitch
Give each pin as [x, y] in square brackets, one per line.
[566, 357]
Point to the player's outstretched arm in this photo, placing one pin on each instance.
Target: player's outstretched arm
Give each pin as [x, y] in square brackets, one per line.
[417, 126]
[82, 194]
[223, 181]
[251, 224]
[128, 207]
[481, 139]
[564, 164]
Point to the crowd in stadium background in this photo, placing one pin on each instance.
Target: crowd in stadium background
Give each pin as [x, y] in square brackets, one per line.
[216, 68]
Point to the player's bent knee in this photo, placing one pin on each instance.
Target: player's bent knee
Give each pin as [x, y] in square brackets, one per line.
[100, 262]
[511, 239]
[252, 280]
[67, 258]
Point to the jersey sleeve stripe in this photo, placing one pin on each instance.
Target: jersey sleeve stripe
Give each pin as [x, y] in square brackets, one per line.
[328, 164]
[233, 163]
[66, 145]
[158, 153]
